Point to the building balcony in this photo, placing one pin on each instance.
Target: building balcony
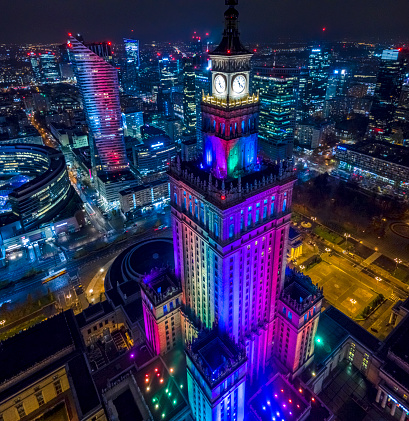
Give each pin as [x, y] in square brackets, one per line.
[230, 104]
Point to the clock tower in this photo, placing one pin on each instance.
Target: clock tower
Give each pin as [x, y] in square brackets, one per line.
[230, 114]
[230, 220]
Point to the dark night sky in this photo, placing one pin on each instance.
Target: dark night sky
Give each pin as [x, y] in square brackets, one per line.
[261, 20]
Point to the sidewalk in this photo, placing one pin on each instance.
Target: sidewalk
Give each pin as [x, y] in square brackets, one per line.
[97, 284]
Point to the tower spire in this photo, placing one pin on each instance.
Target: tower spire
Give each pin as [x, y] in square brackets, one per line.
[230, 43]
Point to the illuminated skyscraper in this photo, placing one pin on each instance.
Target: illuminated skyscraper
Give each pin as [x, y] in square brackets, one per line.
[189, 91]
[230, 220]
[98, 84]
[318, 67]
[278, 90]
[49, 68]
[387, 92]
[203, 80]
[132, 63]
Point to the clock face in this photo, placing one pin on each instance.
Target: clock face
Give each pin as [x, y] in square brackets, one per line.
[239, 84]
[220, 84]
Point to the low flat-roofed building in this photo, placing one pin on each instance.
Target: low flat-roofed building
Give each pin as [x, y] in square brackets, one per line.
[136, 198]
[79, 140]
[384, 164]
[278, 399]
[46, 375]
[110, 184]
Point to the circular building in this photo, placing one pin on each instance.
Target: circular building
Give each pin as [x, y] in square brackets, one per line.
[139, 261]
[45, 188]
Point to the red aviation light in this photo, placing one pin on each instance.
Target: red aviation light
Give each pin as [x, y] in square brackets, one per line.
[223, 197]
[69, 34]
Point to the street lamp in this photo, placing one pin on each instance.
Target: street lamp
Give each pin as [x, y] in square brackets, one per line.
[327, 249]
[346, 235]
[397, 262]
[302, 267]
[313, 218]
[353, 302]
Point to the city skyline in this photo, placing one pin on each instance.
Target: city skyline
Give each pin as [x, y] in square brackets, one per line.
[211, 229]
[262, 21]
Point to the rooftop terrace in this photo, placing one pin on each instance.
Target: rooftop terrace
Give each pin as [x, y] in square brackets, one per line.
[225, 193]
[161, 287]
[215, 356]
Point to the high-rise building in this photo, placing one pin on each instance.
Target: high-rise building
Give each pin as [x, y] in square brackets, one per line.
[133, 122]
[318, 66]
[230, 220]
[132, 64]
[98, 84]
[49, 70]
[278, 90]
[189, 94]
[203, 83]
[387, 92]
[336, 102]
[304, 86]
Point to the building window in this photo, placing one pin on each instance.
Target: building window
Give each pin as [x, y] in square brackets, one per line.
[40, 398]
[273, 198]
[290, 315]
[365, 362]
[58, 387]
[249, 216]
[231, 231]
[351, 353]
[284, 310]
[20, 410]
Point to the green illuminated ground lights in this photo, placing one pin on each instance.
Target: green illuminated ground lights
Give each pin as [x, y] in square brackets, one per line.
[318, 340]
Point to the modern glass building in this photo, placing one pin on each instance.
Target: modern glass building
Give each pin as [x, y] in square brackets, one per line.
[132, 63]
[189, 94]
[48, 190]
[98, 84]
[49, 68]
[318, 66]
[277, 87]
